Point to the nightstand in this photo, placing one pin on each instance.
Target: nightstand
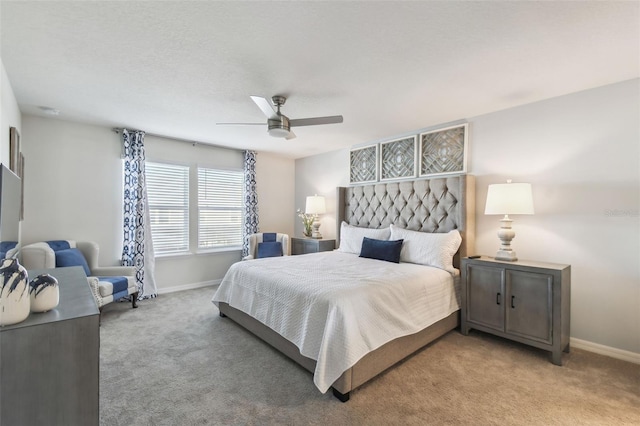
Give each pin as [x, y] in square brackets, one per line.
[528, 302]
[311, 245]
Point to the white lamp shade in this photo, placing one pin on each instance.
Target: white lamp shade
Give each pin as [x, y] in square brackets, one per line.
[315, 205]
[509, 198]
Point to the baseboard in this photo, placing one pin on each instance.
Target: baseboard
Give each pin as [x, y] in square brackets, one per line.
[605, 350]
[189, 286]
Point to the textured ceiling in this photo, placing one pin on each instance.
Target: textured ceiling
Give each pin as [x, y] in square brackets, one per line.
[177, 68]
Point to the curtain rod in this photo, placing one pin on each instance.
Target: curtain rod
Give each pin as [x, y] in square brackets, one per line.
[193, 143]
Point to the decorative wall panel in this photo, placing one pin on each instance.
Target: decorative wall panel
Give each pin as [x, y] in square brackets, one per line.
[444, 151]
[363, 166]
[398, 159]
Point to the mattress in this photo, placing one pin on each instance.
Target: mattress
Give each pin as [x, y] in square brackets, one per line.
[337, 307]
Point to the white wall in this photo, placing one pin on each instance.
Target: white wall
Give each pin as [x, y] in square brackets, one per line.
[276, 185]
[9, 115]
[321, 174]
[73, 189]
[581, 152]
[73, 179]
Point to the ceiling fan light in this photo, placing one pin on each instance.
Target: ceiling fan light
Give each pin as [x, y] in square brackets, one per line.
[279, 133]
[279, 128]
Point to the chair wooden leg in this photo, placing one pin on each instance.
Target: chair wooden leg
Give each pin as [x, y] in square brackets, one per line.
[134, 300]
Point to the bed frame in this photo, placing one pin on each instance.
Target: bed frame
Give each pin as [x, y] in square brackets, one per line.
[427, 205]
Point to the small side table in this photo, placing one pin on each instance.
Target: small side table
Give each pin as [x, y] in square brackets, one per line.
[311, 245]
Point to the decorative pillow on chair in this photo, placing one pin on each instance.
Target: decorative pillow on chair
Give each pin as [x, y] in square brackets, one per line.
[381, 249]
[269, 249]
[71, 257]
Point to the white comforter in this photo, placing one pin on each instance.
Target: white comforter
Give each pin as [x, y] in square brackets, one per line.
[337, 307]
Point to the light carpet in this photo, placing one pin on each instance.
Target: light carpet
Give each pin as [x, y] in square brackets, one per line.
[175, 361]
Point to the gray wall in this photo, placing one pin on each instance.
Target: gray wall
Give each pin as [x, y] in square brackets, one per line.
[581, 153]
[73, 190]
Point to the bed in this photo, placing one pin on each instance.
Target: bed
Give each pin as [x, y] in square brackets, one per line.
[304, 305]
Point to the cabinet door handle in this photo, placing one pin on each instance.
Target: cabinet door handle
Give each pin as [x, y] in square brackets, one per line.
[513, 306]
[498, 299]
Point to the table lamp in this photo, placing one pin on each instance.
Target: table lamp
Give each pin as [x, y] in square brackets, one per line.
[508, 198]
[315, 206]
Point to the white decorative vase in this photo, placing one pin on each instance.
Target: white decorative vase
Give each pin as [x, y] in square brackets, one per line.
[14, 292]
[45, 293]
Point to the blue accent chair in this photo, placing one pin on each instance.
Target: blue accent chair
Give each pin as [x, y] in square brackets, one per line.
[108, 283]
[256, 239]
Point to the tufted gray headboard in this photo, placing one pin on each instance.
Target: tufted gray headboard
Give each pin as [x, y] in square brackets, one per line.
[427, 205]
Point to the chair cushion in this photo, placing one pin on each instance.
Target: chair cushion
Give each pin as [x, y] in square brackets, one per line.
[71, 257]
[269, 237]
[381, 249]
[112, 285]
[270, 249]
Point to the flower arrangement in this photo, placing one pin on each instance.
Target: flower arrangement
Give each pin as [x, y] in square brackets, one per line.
[307, 221]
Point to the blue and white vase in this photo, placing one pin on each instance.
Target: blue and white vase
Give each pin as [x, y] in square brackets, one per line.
[14, 293]
[45, 293]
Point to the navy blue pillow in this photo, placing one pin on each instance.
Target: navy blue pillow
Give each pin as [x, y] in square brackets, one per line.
[381, 249]
[71, 257]
[270, 249]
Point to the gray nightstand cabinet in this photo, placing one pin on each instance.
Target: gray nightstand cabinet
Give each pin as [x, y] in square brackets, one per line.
[525, 301]
[311, 245]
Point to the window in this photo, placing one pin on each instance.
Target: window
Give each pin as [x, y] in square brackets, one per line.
[168, 199]
[220, 208]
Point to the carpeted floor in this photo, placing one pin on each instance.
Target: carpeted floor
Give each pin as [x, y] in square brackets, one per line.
[174, 361]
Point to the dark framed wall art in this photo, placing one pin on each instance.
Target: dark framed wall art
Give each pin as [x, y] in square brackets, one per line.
[21, 176]
[14, 150]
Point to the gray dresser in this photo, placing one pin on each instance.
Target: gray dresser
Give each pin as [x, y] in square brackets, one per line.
[525, 301]
[49, 363]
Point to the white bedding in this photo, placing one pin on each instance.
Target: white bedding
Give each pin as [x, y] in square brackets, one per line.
[337, 307]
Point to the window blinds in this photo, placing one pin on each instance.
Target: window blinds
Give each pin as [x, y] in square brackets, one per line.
[168, 200]
[219, 208]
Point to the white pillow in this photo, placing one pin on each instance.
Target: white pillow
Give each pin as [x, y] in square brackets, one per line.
[426, 248]
[351, 237]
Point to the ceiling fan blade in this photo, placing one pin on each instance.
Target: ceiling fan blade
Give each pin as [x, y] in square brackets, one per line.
[240, 124]
[291, 135]
[316, 120]
[265, 106]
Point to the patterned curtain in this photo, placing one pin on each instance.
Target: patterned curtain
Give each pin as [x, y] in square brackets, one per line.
[250, 200]
[137, 248]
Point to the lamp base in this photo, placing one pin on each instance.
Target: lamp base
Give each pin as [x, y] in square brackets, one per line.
[506, 234]
[316, 233]
[509, 256]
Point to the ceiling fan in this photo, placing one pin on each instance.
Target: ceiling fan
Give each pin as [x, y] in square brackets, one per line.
[279, 125]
